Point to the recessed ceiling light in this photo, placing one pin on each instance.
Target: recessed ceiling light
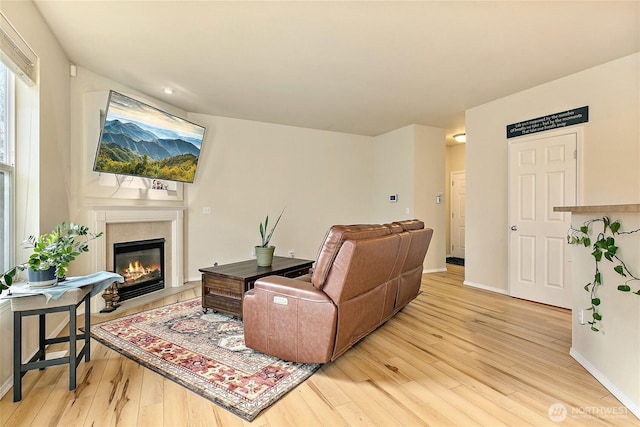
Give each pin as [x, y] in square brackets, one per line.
[460, 137]
[168, 90]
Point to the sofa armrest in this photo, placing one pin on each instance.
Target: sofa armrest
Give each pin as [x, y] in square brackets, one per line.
[289, 319]
[295, 288]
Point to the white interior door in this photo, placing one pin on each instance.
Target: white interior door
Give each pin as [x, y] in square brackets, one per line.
[457, 213]
[542, 174]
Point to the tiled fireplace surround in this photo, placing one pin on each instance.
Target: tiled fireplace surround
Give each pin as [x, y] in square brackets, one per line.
[129, 224]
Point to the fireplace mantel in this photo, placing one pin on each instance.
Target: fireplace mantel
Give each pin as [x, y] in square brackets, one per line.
[101, 216]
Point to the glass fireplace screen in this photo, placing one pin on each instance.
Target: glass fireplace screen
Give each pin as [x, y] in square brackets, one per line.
[141, 263]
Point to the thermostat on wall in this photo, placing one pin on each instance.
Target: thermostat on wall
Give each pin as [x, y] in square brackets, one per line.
[393, 198]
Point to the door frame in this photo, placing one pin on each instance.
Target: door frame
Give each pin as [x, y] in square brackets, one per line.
[579, 132]
[451, 227]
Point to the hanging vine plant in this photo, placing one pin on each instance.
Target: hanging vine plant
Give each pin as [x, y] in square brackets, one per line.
[603, 247]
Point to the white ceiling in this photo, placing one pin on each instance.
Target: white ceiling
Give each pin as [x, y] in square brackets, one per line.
[363, 67]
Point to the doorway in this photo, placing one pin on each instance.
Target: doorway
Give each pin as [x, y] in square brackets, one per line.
[457, 214]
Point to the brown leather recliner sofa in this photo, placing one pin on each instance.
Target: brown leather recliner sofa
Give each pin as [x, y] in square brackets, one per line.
[364, 274]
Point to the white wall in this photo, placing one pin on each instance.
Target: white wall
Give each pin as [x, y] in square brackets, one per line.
[456, 158]
[409, 162]
[430, 180]
[393, 163]
[611, 155]
[613, 354]
[251, 169]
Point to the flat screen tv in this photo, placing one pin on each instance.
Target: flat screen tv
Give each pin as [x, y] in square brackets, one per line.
[140, 140]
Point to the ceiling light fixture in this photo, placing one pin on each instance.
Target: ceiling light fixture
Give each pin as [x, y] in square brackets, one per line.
[460, 137]
[168, 90]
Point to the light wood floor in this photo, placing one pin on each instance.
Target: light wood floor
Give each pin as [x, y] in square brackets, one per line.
[454, 356]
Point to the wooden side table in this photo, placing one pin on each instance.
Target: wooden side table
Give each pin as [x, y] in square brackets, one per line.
[224, 286]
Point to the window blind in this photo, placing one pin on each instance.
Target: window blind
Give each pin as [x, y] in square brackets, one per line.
[16, 54]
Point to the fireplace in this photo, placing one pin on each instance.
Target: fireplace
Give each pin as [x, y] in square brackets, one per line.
[141, 263]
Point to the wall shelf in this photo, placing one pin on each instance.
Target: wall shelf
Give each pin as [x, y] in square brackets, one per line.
[598, 208]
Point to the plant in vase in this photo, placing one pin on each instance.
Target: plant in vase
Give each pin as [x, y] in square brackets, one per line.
[264, 252]
[52, 253]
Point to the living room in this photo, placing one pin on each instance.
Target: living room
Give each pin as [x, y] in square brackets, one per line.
[322, 177]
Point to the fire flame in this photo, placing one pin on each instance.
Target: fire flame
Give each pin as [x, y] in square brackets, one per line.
[135, 271]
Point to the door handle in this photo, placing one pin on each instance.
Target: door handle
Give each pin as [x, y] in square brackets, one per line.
[514, 228]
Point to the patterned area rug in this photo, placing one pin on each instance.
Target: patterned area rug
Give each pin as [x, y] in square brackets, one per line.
[204, 353]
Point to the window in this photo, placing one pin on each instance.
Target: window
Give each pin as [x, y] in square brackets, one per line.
[6, 167]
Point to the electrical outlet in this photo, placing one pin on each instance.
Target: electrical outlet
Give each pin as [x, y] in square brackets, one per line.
[581, 317]
[253, 253]
[291, 253]
[206, 210]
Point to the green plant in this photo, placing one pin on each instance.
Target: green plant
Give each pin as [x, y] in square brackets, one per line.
[604, 246]
[55, 249]
[263, 230]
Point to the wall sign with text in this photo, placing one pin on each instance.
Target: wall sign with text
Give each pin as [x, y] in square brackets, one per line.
[552, 121]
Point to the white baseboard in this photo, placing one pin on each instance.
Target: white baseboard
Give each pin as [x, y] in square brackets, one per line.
[4, 389]
[485, 287]
[632, 406]
[6, 322]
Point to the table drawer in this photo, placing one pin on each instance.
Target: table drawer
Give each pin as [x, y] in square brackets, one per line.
[225, 305]
[222, 286]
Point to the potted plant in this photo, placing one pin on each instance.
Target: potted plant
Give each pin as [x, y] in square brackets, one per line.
[264, 252]
[52, 253]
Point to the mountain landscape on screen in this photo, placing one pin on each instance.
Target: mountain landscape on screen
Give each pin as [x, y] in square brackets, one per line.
[140, 140]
